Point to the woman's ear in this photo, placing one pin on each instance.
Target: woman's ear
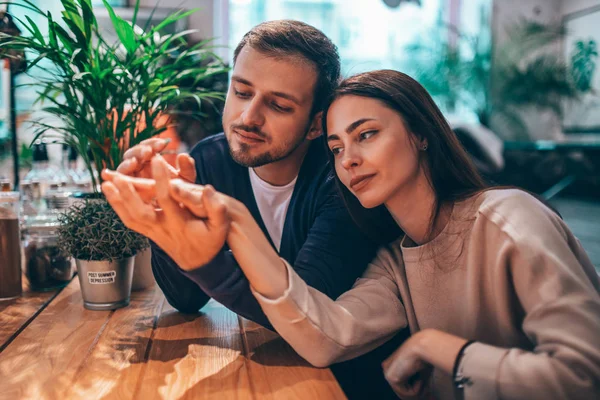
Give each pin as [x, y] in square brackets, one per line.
[316, 127]
[423, 144]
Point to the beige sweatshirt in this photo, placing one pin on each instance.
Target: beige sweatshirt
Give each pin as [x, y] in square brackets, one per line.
[505, 271]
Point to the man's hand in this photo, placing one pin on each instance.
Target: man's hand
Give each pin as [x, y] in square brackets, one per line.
[136, 163]
[189, 240]
[191, 196]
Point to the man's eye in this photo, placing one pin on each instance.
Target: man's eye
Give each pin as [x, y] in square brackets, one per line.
[242, 95]
[279, 108]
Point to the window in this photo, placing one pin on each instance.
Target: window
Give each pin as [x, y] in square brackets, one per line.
[369, 34]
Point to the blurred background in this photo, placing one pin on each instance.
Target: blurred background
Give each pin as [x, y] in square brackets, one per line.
[517, 79]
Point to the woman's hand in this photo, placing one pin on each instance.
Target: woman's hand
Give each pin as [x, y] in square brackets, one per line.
[408, 369]
[193, 224]
[191, 241]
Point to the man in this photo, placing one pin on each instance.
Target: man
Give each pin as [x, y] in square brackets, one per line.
[272, 157]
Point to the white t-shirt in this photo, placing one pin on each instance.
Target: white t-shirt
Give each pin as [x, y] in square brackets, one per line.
[273, 202]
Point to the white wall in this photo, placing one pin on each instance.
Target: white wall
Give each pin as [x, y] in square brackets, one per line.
[211, 20]
[570, 6]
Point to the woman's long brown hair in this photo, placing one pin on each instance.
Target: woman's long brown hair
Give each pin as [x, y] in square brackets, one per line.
[448, 167]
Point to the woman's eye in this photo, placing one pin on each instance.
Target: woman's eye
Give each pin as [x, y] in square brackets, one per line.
[242, 95]
[336, 150]
[366, 135]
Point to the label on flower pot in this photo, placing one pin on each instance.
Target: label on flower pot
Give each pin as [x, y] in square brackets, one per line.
[102, 278]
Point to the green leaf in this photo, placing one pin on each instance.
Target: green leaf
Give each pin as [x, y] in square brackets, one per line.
[171, 19]
[28, 5]
[31, 64]
[168, 39]
[52, 41]
[136, 9]
[80, 75]
[64, 38]
[76, 29]
[89, 19]
[36, 32]
[123, 29]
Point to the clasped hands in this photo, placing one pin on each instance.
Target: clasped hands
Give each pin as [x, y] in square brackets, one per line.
[189, 222]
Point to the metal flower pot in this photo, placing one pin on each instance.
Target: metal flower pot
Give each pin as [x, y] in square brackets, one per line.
[105, 285]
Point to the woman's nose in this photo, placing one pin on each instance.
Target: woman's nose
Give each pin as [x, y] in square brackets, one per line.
[350, 159]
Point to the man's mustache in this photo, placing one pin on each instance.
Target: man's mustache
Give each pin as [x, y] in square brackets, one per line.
[250, 129]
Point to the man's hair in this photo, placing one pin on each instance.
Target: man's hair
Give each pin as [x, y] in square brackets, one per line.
[285, 38]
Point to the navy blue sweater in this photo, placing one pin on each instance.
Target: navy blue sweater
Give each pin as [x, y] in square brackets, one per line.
[319, 238]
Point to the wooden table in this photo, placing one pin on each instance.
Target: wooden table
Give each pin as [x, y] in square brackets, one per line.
[53, 348]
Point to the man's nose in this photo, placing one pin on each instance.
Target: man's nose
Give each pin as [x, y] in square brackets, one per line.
[253, 114]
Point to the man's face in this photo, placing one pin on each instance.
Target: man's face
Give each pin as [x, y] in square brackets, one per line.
[267, 111]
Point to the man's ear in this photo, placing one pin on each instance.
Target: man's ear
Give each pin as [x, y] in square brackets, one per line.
[316, 126]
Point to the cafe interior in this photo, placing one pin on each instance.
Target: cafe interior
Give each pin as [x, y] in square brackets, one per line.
[518, 82]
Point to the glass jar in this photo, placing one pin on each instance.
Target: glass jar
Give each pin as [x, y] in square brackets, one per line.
[5, 185]
[10, 246]
[46, 265]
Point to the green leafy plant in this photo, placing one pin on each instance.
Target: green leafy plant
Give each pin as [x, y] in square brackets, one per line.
[524, 77]
[111, 96]
[520, 76]
[583, 63]
[96, 219]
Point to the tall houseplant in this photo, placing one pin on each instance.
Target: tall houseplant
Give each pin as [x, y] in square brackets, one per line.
[110, 96]
[529, 74]
[102, 99]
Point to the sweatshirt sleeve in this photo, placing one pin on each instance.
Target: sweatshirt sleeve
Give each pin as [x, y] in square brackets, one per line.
[181, 292]
[324, 331]
[334, 254]
[557, 288]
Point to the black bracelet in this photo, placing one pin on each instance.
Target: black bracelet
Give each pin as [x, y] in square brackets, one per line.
[459, 357]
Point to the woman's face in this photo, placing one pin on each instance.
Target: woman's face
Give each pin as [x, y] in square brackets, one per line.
[375, 156]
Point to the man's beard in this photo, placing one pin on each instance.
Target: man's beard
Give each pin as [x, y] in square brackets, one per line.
[242, 154]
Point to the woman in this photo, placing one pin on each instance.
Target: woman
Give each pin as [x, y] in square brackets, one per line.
[500, 298]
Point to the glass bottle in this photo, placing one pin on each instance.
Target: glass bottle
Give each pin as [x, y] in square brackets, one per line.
[40, 170]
